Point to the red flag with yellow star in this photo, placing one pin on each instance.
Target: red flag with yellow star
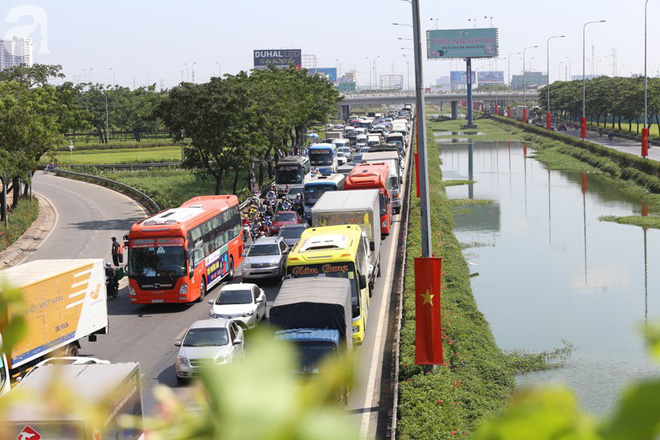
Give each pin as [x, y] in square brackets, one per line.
[428, 334]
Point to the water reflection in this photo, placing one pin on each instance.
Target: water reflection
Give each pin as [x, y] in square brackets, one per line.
[551, 271]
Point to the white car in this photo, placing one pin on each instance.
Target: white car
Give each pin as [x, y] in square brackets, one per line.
[245, 303]
[208, 340]
[67, 360]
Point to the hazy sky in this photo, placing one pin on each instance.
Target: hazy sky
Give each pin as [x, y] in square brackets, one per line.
[144, 40]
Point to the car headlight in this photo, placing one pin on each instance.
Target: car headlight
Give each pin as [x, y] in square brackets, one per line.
[247, 314]
[275, 263]
[212, 314]
[356, 328]
[182, 360]
[184, 289]
[246, 265]
[131, 291]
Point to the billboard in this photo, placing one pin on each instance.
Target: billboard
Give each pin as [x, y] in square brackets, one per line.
[278, 58]
[493, 77]
[460, 77]
[461, 43]
[328, 72]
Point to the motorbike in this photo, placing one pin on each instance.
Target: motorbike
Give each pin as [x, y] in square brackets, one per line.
[111, 282]
[610, 135]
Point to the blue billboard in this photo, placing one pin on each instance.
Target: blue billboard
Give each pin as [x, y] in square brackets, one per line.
[493, 77]
[328, 72]
[460, 77]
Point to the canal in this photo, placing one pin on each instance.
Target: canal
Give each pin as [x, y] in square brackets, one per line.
[549, 272]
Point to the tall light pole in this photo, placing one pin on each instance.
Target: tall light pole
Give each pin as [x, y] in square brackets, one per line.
[370, 76]
[523, 84]
[90, 74]
[186, 64]
[583, 121]
[508, 70]
[548, 116]
[107, 140]
[113, 75]
[218, 64]
[568, 78]
[645, 130]
[376, 71]
[193, 71]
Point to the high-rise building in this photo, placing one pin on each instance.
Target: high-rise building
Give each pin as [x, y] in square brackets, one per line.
[15, 52]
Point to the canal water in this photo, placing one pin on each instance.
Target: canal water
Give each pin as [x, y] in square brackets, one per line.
[550, 272]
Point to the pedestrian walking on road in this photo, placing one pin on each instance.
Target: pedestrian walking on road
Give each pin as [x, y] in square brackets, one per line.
[115, 251]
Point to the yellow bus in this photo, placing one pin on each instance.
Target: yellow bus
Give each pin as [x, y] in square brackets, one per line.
[336, 251]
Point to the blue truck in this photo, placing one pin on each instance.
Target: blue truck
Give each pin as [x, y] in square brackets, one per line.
[315, 315]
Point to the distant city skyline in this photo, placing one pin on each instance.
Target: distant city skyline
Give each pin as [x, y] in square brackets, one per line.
[137, 43]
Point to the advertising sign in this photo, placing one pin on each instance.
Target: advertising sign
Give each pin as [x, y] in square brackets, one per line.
[460, 77]
[490, 77]
[462, 43]
[277, 57]
[328, 72]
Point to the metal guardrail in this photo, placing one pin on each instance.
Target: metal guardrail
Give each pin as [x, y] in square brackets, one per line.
[146, 201]
[122, 166]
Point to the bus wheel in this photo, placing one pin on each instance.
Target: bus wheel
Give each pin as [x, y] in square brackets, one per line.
[202, 290]
[230, 274]
[378, 274]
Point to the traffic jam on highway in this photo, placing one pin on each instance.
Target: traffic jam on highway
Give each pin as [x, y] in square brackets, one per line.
[316, 232]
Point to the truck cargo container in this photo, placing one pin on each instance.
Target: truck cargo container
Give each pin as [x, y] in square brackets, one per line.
[65, 302]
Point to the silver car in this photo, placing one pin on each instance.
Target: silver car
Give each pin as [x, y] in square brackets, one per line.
[245, 303]
[291, 233]
[216, 341]
[265, 258]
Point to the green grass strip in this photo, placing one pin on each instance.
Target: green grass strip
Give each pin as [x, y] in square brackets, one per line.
[20, 220]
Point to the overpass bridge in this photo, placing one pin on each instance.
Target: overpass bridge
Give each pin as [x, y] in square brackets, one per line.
[493, 98]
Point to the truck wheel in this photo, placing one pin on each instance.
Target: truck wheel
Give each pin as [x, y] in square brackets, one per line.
[72, 350]
[202, 290]
[378, 273]
[371, 288]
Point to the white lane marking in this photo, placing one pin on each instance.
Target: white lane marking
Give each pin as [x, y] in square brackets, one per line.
[375, 366]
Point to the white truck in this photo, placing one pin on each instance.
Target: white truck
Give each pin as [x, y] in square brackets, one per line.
[65, 302]
[353, 207]
[103, 393]
[395, 178]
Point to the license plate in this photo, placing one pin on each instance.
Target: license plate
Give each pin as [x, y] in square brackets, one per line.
[156, 300]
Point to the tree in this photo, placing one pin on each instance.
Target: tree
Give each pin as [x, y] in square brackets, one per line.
[221, 121]
[37, 74]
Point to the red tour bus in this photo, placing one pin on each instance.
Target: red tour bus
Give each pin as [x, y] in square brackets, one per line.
[374, 176]
[177, 255]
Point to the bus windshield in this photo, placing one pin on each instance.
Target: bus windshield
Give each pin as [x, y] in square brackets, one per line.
[314, 192]
[334, 270]
[320, 157]
[158, 260]
[288, 174]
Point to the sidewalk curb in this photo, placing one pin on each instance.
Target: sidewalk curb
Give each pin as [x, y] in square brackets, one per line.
[33, 237]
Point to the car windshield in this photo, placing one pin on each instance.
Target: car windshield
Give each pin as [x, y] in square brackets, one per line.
[296, 190]
[344, 150]
[234, 297]
[149, 259]
[320, 157]
[206, 337]
[291, 232]
[288, 175]
[262, 250]
[312, 353]
[285, 217]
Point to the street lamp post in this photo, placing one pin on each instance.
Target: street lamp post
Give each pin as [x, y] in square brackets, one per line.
[548, 116]
[523, 84]
[218, 68]
[193, 71]
[113, 75]
[90, 74]
[376, 71]
[568, 78]
[107, 140]
[370, 76]
[645, 130]
[186, 64]
[583, 121]
[508, 69]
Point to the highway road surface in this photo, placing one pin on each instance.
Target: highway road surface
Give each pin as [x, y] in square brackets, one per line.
[88, 215]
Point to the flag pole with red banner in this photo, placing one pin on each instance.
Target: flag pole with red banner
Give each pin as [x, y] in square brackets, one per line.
[428, 321]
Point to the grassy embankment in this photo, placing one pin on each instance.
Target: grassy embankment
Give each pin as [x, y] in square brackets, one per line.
[477, 377]
[20, 220]
[117, 155]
